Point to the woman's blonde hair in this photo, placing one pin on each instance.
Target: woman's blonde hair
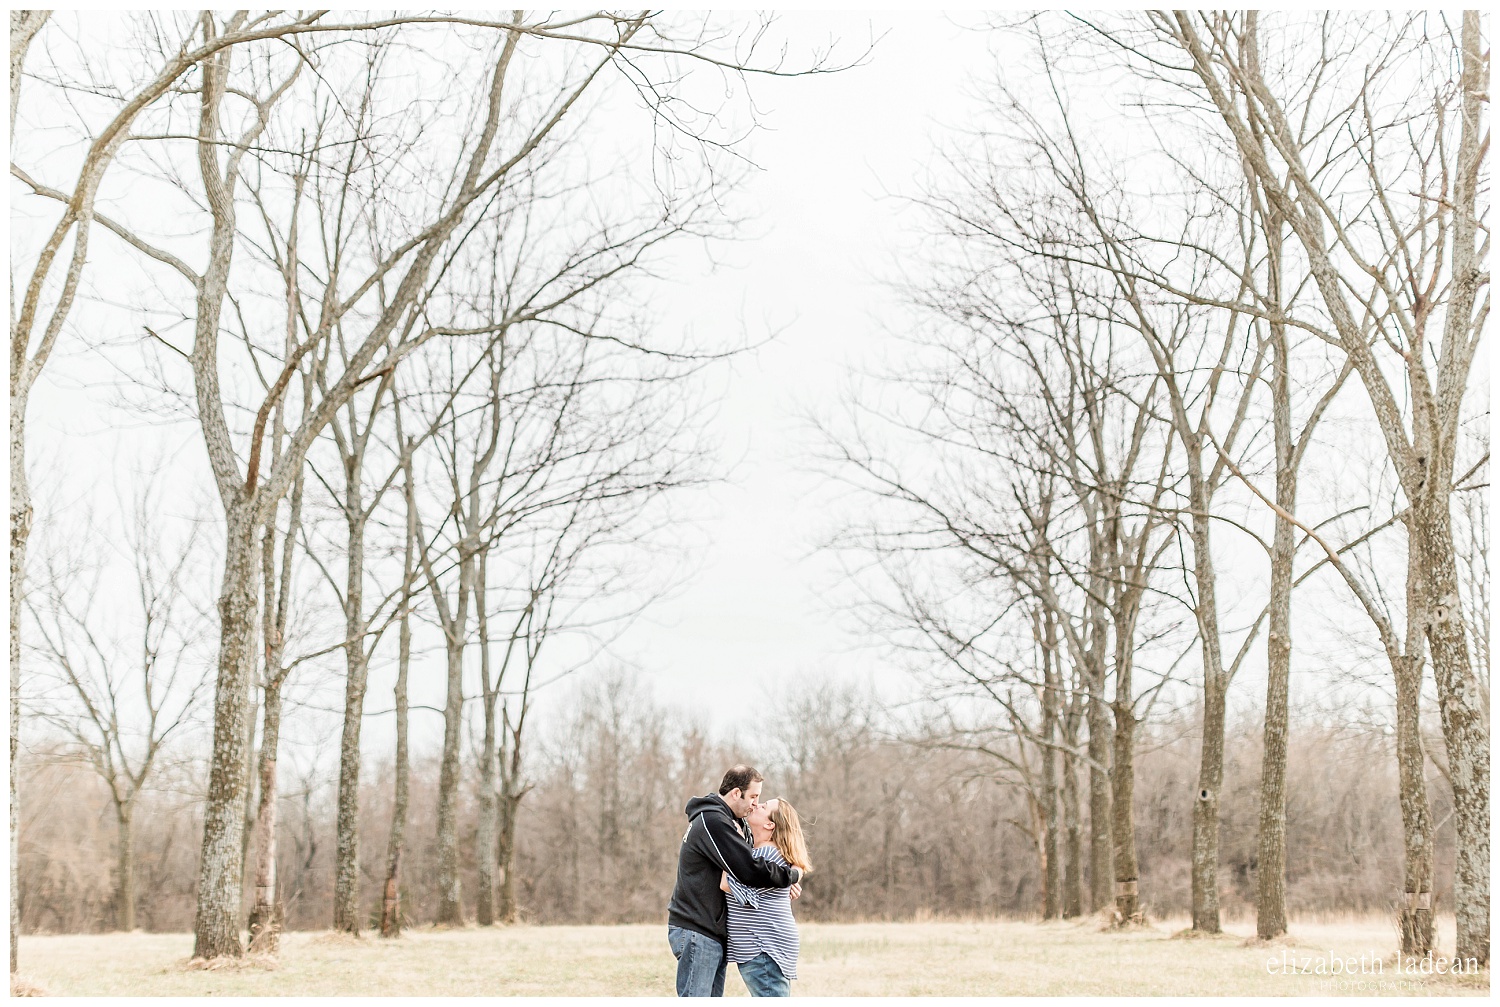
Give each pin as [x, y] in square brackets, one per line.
[788, 836]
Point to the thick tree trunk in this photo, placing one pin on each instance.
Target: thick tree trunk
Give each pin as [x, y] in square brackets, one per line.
[1270, 895]
[1462, 703]
[216, 926]
[1122, 777]
[1205, 869]
[1073, 864]
[1101, 843]
[1465, 725]
[346, 856]
[509, 804]
[125, 866]
[265, 911]
[1205, 853]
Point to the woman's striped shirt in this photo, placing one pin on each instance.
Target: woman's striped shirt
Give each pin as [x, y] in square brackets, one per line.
[760, 920]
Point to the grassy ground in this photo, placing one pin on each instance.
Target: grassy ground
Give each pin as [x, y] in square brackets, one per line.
[857, 959]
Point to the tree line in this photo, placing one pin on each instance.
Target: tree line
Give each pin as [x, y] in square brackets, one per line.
[899, 831]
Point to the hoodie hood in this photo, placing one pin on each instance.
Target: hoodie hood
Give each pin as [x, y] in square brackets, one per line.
[708, 803]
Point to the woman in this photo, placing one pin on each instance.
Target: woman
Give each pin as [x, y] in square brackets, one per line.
[762, 933]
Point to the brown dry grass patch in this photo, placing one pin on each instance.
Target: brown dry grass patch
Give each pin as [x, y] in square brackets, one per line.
[20, 986]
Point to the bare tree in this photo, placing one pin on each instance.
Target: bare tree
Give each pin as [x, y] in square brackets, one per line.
[122, 704]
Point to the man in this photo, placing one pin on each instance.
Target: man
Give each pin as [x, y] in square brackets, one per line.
[715, 841]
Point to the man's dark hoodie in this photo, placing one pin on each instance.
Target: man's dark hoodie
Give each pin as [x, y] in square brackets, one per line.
[714, 842]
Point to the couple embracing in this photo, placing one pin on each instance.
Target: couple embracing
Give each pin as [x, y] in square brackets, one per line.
[741, 864]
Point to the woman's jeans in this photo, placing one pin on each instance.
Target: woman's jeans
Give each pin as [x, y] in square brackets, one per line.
[700, 963]
[764, 978]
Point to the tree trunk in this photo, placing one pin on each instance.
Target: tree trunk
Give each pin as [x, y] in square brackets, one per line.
[505, 842]
[1465, 725]
[1205, 869]
[346, 866]
[486, 852]
[1101, 845]
[1073, 864]
[265, 912]
[390, 909]
[20, 532]
[125, 881]
[1462, 703]
[1416, 819]
[450, 907]
[216, 926]
[252, 771]
[1052, 846]
[1206, 811]
[1127, 869]
[1270, 895]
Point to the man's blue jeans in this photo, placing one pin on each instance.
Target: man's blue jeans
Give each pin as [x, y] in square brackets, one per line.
[700, 963]
[764, 978]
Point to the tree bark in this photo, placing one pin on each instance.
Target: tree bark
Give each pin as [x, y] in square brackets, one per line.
[20, 532]
[265, 915]
[1127, 870]
[1073, 863]
[1270, 896]
[346, 866]
[390, 910]
[1050, 797]
[1462, 704]
[216, 926]
[24, 24]
[1465, 728]
[125, 865]
[1205, 869]
[1101, 844]
[1416, 818]
[511, 793]
[505, 843]
[486, 851]
[450, 906]
[1052, 847]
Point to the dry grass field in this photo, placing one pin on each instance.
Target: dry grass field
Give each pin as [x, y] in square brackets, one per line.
[857, 959]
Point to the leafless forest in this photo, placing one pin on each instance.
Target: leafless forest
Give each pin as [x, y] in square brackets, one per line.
[1190, 404]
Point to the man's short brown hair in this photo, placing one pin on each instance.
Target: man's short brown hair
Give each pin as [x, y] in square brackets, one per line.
[739, 778]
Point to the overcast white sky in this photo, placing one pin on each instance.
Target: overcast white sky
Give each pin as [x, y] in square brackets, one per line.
[810, 265]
